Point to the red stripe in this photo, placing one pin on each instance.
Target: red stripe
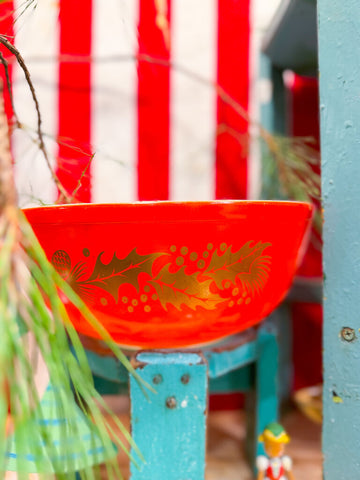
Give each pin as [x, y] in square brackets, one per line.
[233, 77]
[74, 131]
[6, 28]
[153, 106]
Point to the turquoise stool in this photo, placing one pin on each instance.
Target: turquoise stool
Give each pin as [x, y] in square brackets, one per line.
[169, 427]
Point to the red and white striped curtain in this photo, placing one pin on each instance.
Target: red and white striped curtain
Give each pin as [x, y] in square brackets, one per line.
[136, 96]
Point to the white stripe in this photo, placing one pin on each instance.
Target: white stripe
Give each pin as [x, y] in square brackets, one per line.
[254, 158]
[193, 103]
[260, 16]
[114, 100]
[36, 36]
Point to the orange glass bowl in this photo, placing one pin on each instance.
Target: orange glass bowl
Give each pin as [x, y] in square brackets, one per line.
[173, 274]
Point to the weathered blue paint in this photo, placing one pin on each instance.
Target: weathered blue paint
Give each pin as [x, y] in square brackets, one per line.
[266, 94]
[108, 387]
[169, 358]
[273, 119]
[266, 392]
[267, 381]
[273, 114]
[240, 380]
[107, 367]
[273, 102]
[282, 317]
[339, 64]
[291, 39]
[173, 439]
[169, 429]
[229, 360]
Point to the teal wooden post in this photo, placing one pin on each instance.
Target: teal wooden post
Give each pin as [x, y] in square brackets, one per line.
[169, 429]
[273, 112]
[339, 65]
[273, 119]
[267, 382]
[266, 401]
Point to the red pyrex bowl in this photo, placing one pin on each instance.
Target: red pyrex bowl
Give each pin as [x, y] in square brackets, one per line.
[171, 274]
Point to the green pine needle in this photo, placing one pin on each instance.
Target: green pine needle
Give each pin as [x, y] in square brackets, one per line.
[31, 308]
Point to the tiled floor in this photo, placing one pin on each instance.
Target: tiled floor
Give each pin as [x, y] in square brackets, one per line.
[225, 456]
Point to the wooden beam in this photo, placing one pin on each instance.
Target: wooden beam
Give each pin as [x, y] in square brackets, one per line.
[291, 39]
[339, 64]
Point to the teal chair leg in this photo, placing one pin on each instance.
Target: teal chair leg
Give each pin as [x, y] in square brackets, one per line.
[169, 428]
[263, 402]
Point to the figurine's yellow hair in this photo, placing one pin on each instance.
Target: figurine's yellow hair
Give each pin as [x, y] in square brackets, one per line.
[275, 433]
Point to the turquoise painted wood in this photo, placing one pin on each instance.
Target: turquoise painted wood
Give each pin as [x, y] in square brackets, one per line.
[273, 119]
[339, 65]
[273, 114]
[291, 39]
[266, 377]
[170, 428]
[223, 362]
[264, 399]
[107, 367]
[240, 380]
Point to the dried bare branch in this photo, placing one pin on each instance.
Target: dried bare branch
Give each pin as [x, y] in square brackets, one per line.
[8, 195]
[12, 49]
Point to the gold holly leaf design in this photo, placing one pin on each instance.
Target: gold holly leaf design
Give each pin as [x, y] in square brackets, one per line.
[180, 289]
[109, 276]
[248, 264]
[62, 264]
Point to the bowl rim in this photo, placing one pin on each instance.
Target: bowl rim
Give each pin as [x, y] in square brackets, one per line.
[168, 211]
[170, 202]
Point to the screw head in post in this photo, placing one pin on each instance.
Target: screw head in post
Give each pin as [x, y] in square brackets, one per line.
[348, 334]
[157, 379]
[185, 379]
[171, 402]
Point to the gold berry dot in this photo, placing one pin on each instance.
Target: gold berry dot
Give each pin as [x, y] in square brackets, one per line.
[248, 300]
[147, 288]
[124, 299]
[173, 248]
[201, 264]
[154, 297]
[227, 284]
[235, 292]
[130, 309]
[223, 247]
[103, 301]
[184, 250]
[231, 303]
[210, 246]
[193, 256]
[147, 308]
[134, 302]
[240, 301]
[205, 254]
[143, 298]
[244, 294]
[179, 261]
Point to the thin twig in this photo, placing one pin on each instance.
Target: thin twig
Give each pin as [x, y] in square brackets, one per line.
[12, 49]
[73, 195]
[7, 184]
[8, 84]
[277, 146]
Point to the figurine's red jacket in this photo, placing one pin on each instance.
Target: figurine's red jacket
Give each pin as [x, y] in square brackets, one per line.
[274, 468]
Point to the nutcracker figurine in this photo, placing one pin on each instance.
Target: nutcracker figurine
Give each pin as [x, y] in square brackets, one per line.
[275, 465]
